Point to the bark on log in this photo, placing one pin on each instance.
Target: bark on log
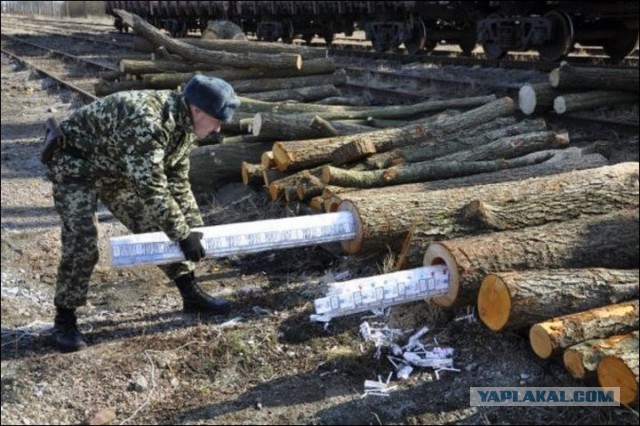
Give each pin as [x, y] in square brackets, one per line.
[338, 112]
[302, 154]
[309, 187]
[311, 67]
[456, 143]
[581, 360]
[536, 98]
[620, 371]
[352, 151]
[139, 66]
[511, 146]
[301, 94]
[438, 213]
[141, 44]
[323, 126]
[214, 165]
[587, 100]
[562, 161]
[601, 241]
[283, 127]
[287, 186]
[272, 175]
[417, 172]
[550, 337]
[570, 77]
[343, 100]
[196, 54]
[510, 300]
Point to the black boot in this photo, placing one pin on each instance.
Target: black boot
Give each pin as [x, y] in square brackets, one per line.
[65, 331]
[196, 300]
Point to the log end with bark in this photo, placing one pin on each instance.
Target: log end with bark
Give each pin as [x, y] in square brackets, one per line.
[494, 302]
[437, 254]
[354, 245]
[620, 372]
[540, 341]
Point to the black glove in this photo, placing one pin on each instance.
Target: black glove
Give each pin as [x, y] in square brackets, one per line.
[192, 248]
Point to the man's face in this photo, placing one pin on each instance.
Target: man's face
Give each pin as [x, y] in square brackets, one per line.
[203, 124]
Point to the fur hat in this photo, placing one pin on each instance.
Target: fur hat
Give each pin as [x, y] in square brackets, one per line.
[214, 96]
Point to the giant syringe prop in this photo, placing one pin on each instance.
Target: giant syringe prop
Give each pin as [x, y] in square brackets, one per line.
[236, 238]
[381, 291]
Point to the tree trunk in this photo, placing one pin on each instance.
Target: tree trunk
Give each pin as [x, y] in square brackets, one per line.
[601, 241]
[570, 77]
[352, 151]
[287, 186]
[301, 154]
[301, 94]
[511, 146]
[562, 161]
[214, 165]
[587, 100]
[311, 67]
[417, 172]
[141, 44]
[197, 54]
[338, 112]
[581, 360]
[536, 98]
[283, 127]
[510, 300]
[550, 337]
[139, 66]
[425, 152]
[621, 370]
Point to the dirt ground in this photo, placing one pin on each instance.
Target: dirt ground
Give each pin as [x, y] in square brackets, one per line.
[265, 363]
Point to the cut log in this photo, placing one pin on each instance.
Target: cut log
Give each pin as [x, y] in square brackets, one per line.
[324, 127]
[354, 150]
[510, 300]
[241, 139]
[550, 337]
[252, 174]
[485, 133]
[141, 44]
[621, 371]
[170, 81]
[562, 161]
[139, 66]
[272, 175]
[287, 186]
[283, 127]
[536, 98]
[512, 146]
[605, 241]
[309, 187]
[317, 203]
[302, 154]
[417, 172]
[587, 100]
[571, 77]
[214, 165]
[196, 54]
[267, 160]
[581, 360]
[338, 112]
[301, 94]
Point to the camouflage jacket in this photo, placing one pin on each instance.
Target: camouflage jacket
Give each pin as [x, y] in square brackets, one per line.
[142, 138]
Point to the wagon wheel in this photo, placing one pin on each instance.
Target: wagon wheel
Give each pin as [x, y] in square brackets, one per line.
[625, 42]
[492, 48]
[561, 37]
[417, 36]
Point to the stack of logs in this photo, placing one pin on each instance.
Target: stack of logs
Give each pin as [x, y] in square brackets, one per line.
[539, 233]
[573, 88]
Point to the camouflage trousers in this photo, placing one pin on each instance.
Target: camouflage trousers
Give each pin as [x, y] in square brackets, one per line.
[76, 197]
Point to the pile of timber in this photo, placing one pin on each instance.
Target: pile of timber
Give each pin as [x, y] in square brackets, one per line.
[572, 88]
[264, 71]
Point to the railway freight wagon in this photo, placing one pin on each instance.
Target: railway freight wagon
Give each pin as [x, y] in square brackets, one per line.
[550, 27]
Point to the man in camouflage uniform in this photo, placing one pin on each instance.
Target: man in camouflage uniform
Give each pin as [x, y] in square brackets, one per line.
[130, 150]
